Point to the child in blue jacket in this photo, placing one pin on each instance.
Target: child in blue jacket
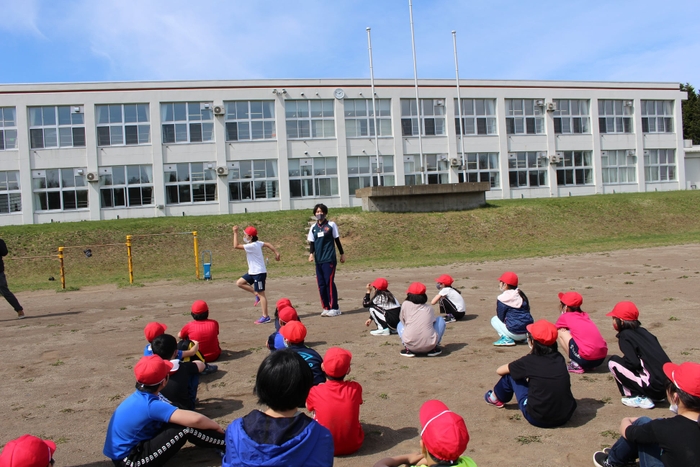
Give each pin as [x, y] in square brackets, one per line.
[512, 312]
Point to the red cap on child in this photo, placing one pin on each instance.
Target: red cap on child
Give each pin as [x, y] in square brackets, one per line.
[287, 314]
[27, 451]
[152, 370]
[153, 330]
[281, 302]
[416, 288]
[443, 432]
[445, 279]
[572, 299]
[685, 376]
[380, 283]
[251, 231]
[543, 332]
[336, 362]
[199, 307]
[626, 311]
[509, 278]
[294, 332]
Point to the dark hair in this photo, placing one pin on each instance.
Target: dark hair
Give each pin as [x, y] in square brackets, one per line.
[283, 381]
[523, 296]
[388, 296]
[418, 299]
[322, 207]
[333, 378]
[200, 316]
[688, 401]
[254, 238]
[152, 389]
[576, 309]
[540, 349]
[623, 324]
[164, 346]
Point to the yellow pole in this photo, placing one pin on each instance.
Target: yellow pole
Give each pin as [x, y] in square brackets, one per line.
[196, 252]
[63, 271]
[131, 262]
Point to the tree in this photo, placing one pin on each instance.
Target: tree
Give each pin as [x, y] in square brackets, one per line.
[691, 114]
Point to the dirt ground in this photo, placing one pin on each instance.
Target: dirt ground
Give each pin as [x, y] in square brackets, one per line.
[69, 364]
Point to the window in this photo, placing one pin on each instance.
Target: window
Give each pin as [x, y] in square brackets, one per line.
[126, 185]
[575, 168]
[432, 117]
[52, 127]
[250, 120]
[660, 165]
[59, 189]
[614, 116]
[310, 119]
[8, 129]
[359, 119]
[187, 122]
[657, 116]
[362, 172]
[10, 196]
[618, 166]
[482, 167]
[433, 170]
[189, 183]
[251, 180]
[524, 117]
[527, 169]
[571, 116]
[313, 177]
[478, 117]
[122, 124]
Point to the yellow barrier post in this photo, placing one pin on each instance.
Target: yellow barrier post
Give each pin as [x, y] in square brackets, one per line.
[63, 271]
[196, 252]
[131, 263]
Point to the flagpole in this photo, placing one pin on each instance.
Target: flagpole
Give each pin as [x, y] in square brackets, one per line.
[374, 108]
[415, 82]
[459, 104]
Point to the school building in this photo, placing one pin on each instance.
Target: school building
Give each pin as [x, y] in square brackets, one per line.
[90, 151]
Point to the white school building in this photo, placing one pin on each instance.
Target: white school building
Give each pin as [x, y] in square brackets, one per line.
[90, 151]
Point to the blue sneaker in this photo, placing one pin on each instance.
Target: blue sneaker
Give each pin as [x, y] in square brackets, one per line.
[262, 320]
[504, 341]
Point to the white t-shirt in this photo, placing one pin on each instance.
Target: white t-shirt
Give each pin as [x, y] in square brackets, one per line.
[254, 255]
[455, 297]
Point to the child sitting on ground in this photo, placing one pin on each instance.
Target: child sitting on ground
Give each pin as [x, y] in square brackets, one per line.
[154, 329]
[443, 439]
[294, 334]
[420, 331]
[281, 435]
[203, 330]
[512, 312]
[28, 451]
[283, 315]
[383, 307]
[181, 391]
[539, 380]
[578, 335]
[639, 372]
[669, 442]
[450, 299]
[336, 403]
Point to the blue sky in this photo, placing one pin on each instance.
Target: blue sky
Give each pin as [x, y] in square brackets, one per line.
[125, 40]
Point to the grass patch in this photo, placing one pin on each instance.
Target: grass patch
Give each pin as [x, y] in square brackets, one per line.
[610, 434]
[529, 439]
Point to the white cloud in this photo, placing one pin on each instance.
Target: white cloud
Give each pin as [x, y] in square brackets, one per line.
[19, 16]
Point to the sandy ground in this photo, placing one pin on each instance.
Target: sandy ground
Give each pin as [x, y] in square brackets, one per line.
[70, 362]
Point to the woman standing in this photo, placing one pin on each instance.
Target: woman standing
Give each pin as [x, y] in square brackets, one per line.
[323, 238]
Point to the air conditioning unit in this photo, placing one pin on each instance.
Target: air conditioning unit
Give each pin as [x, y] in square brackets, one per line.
[222, 170]
[539, 102]
[554, 159]
[92, 177]
[219, 110]
[629, 103]
[631, 152]
[551, 107]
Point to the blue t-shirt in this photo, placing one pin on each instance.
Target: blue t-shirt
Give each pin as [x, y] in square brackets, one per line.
[313, 359]
[139, 418]
[148, 351]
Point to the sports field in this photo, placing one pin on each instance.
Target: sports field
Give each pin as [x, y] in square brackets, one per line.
[69, 364]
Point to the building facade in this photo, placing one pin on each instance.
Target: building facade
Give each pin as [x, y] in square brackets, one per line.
[71, 152]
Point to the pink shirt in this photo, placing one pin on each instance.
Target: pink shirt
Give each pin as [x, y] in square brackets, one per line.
[591, 344]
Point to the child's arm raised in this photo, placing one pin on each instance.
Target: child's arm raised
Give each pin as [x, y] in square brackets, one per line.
[269, 245]
[405, 459]
[236, 245]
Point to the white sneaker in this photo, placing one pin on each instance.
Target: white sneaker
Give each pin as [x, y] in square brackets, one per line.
[333, 313]
[325, 312]
[381, 332]
[640, 402]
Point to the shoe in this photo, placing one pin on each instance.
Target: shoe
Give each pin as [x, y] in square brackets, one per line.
[262, 320]
[325, 312]
[574, 367]
[21, 315]
[640, 402]
[333, 312]
[257, 300]
[487, 398]
[380, 332]
[449, 319]
[209, 369]
[632, 463]
[600, 458]
[407, 353]
[435, 352]
[504, 341]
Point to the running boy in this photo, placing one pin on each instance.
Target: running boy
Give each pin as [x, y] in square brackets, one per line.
[512, 312]
[323, 238]
[450, 299]
[254, 281]
[579, 337]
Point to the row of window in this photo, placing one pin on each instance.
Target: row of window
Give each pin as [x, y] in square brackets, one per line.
[132, 185]
[193, 122]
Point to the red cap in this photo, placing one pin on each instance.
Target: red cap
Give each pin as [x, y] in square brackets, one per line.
[626, 311]
[281, 302]
[416, 288]
[443, 432]
[153, 330]
[543, 332]
[152, 370]
[336, 362]
[199, 307]
[685, 376]
[445, 279]
[294, 332]
[287, 314]
[27, 451]
[380, 284]
[509, 278]
[251, 231]
[572, 299]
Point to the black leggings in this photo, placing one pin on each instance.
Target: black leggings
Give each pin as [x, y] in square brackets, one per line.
[449, 308]
[9, 296]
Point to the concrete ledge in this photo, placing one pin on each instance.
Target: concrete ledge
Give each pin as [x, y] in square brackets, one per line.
[424, 198]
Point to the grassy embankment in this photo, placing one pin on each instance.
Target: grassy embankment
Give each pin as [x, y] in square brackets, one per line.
[503, 229]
